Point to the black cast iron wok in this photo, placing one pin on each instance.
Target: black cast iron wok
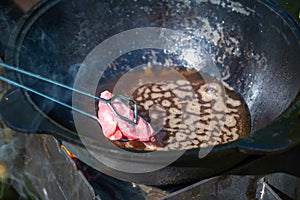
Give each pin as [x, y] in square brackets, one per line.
[258, 44]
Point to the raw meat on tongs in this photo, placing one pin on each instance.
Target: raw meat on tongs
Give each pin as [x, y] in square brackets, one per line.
[115, 128]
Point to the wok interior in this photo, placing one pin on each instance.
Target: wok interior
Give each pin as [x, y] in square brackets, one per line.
[262, 68]
[255, 49]
[268, 76]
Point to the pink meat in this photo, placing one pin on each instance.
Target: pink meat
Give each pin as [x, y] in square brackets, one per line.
[115, 128]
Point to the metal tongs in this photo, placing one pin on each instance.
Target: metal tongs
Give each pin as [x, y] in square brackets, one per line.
[108, 101]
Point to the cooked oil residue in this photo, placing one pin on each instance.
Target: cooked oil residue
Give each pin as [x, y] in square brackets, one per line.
[188, 113]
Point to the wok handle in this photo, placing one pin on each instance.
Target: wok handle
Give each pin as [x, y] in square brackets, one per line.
[20, 115]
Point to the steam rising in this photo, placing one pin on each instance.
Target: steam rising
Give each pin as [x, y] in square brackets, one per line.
[38, 169]
[7, 23]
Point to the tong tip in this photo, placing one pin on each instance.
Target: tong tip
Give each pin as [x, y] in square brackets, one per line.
[131, 101]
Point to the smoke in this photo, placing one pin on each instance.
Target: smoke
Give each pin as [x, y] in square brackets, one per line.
[10, 148]
[9, 15]
[38, 168]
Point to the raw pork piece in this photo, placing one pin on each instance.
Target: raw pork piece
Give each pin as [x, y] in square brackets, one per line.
[115, 128]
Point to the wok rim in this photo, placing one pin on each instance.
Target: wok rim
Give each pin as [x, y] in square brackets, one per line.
[241, 145]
